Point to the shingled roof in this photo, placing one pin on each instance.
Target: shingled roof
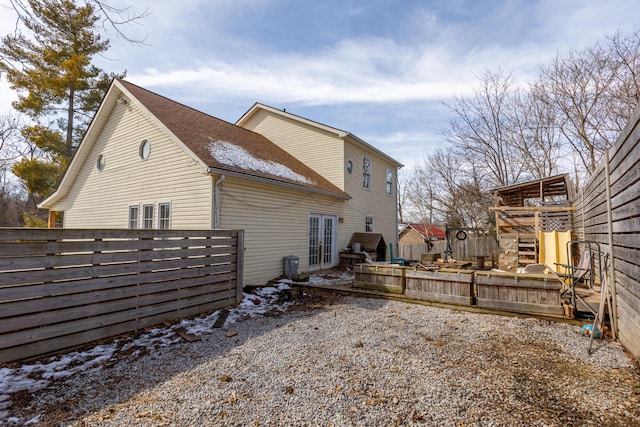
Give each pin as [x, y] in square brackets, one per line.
[426, 230]
[227, 148]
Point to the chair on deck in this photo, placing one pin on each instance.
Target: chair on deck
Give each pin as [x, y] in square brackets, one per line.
[395, 260]
[576, 274]
[581, 273]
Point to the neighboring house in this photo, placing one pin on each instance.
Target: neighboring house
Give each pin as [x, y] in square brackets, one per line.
[415, 233]
[149, 162]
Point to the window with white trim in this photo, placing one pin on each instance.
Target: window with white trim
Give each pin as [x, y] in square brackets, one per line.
[389, 182]
[368, 224]
[147, 218]
[134, 212]
[164, 216]
[366, 172]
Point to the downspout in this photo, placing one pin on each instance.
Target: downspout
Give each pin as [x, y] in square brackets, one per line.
[397, 239]
[216, 202]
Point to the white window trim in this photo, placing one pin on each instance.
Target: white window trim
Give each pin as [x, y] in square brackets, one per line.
[389, 186]
[144, 217]
[366, 172]
[160, 205]
[137, 217]
[372, 224]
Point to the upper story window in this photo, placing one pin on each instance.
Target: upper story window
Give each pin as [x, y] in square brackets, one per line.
[145, 149]
[100, 162]
[349, 167]
[366, 172]
[389, 182]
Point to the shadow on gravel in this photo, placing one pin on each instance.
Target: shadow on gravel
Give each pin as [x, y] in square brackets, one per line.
[129, 373]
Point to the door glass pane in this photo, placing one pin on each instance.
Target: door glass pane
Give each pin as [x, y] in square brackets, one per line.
[327, 255]
[314, 237]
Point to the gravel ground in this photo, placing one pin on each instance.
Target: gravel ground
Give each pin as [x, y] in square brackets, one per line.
[342, 361]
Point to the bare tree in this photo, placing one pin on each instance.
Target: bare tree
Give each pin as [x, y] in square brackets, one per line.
[403, 195]
[624, 93]
[577, 87]
[480, 130]
[534, 137]
[117, 18]
[10, 148]
[445, 190]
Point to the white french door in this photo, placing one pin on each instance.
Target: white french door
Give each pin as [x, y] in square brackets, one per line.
[322, 240]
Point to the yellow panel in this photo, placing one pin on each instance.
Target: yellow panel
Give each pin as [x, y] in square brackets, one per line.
[563, 238]
[553, 249]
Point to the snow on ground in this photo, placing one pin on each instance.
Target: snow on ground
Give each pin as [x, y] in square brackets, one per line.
[35, 376]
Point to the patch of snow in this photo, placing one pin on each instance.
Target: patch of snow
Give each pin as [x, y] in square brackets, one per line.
[232, 155]
[38, 375]
[343, 278]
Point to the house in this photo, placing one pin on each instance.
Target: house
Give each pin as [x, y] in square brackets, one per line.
[415, 233]
[149, 162]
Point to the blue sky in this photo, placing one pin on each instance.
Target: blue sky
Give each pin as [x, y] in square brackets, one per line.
[379, 69]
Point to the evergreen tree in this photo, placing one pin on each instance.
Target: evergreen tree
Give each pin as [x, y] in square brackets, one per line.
[49, 64]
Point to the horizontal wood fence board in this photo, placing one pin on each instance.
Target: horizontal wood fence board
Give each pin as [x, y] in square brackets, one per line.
[465, 276]
[629, 285]
[631, 194]
[81, 285]
[73, 259]
[77, 306]
[89, 271]
[44, 234]
[631, 300]
[56, 344]
[118, 290]
[628, 325]
[540, 281]
[12, 249]
[621, 152]
[541, 309]
[60, 288]
[440, 286]
[168, 309]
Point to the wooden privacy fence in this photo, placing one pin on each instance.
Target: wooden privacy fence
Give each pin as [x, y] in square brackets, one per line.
[462, 249]
[61, 288]
[607, 212]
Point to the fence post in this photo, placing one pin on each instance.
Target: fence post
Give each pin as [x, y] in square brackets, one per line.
[239, 266]
[612, 259]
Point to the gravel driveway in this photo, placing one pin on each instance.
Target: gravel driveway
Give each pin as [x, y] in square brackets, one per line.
[343, 361]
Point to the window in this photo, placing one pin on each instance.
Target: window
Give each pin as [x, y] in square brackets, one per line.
[145, 149]
[389, 182]
[133, 216]
[366, 172]
[368, 224]
[164, 221]
[100, 162]
[349, 167]
[147, 220]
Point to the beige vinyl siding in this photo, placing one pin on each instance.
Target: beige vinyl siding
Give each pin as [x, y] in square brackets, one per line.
[374, 202]
[319, 149]
[275, 221]
[102, 199]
